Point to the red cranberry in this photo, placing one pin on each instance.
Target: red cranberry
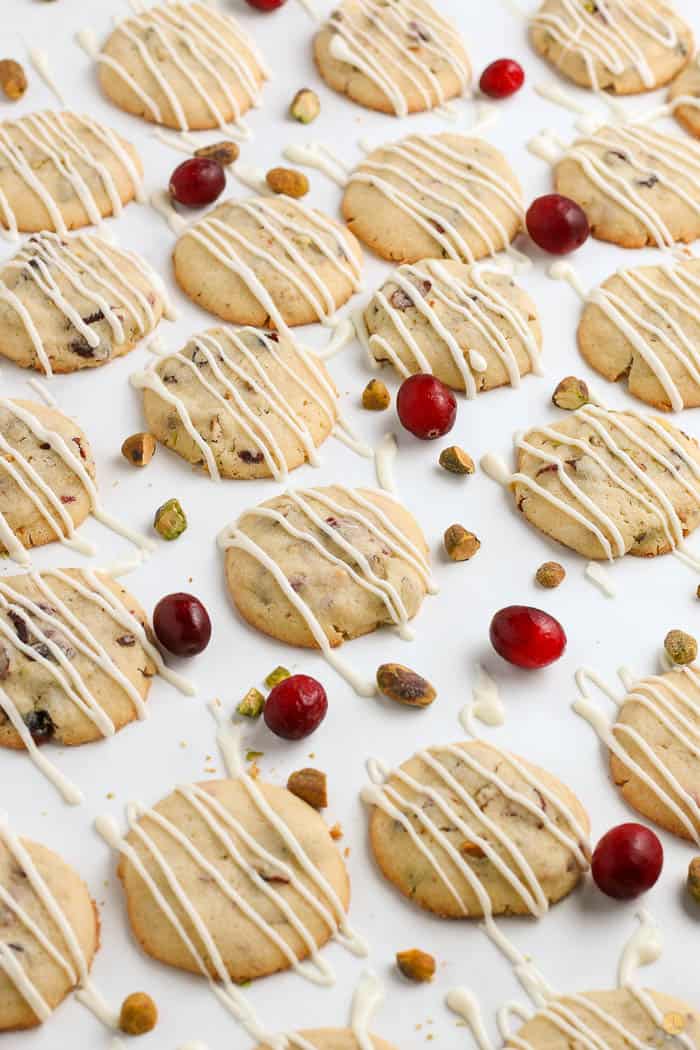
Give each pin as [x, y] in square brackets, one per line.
[502, 78]
[197, 181]
[265, 5]
[295, 707]
[557, 224]
[527, 637]
[627, 861]
[182, 624]
[426, 406]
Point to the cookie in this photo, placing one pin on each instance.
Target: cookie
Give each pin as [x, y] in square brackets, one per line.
[183, 65]
[317, 567]
[268, 262]
[257, 876]
[43, 898]
[71, 304]
[240, 403]
[623, 48]
[467, 830]
[472, 327]
[621, 1017]
[400, 58]
[684, 98]
[445, 196]
[636, 185]
[607, 483]
[336, 1039]
[643, 325]
[63, 171]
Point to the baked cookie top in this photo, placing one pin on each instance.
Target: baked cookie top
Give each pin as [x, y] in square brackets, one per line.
[182, 65]
[268, 262]
[336, 1039]
[403, 57]
[240, 863]
[643, 324]
[434, 196]
[684, 97]
[63, 171]
[622, 47]
[49, 934]
[609, 483]
[616, 1019]
[69, 304]
[240, 403]
[636, 185]
[468, 830]
[471, 326]
[316, 567]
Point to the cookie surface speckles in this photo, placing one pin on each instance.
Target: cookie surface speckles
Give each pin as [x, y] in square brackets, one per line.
[434, 196]
[410, 58]
[268, 262]
[630, 47]
[682, 93]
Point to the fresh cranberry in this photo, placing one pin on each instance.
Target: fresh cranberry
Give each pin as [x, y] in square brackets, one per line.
[182, 624]
[265, 5]
[527, 637]
[557, 224]
[627, 861]
[197, 181]
[295, 707]
[502, 78]
[426, 406]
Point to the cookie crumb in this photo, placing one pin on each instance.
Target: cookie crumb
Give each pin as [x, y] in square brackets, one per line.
[305, 106]
[311, 786]
[460, 544]
[456, 460]
[139, 449]
[138, 1015]
[13, 79]
[416, 965]
[376, 396]
[405, 686]
[550, 574]
[288, 182]
[571, 393]
[682, 648]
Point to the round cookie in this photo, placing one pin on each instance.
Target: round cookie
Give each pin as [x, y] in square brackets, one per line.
[71, 671]
[684, 98]
[268, 262]
[336, 1039]
[434, 196]
[399, 58]
[447, 825]
[636, 185]
[241, 404]
[602, 1019]
[71, 304]
[354, 559]
[238, 871]
[607, 484]
[42, 496]
[183, 65]
[472, 327]
[643, 324]
[655, 763]
[40, 973]
[62, 171]
[630, 47]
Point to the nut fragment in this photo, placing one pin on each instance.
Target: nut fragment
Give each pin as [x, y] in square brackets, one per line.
[13, 79]
[694, 879]
[404, 686]
[375, 396]
[570, 394]
[311, 786]
[550, 574]
[139, 449]
[456, 460]
[305, 106]
[170, 520]
[460, 544]
[287, 181]
[224, 152]
[139, 1014]
[416, 965]
[472, 849]
[252, 704]
[682, 648]
[278, 675]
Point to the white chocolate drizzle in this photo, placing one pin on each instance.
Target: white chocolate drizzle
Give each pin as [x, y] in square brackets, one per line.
[367, 514]
[600, 576]
[40, 60]
[374, 52]
[673, 701]
[56, 140]
[319, 156]
[486, 704]
[104, 281]
[429, 283]
[431, 203]
[384, 459]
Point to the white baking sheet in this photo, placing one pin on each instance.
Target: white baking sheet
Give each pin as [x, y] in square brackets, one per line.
[577, 944]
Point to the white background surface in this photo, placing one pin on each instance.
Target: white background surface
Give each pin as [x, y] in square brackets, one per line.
[578, 943]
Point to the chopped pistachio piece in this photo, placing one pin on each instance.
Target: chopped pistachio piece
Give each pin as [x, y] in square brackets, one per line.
[287, 181]
[311, 786]
[170, 520]
[460, 544]
[694, 879]
[550, 574]
[252, 704]
[139, 449]
[456, 460]
[13, 79]
[139, 1014]
[224, 152]
[375, 396]
[405, 686]
[305, 106]
[570, 394]
[416, 965]
[278, 675]
[682, 648]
